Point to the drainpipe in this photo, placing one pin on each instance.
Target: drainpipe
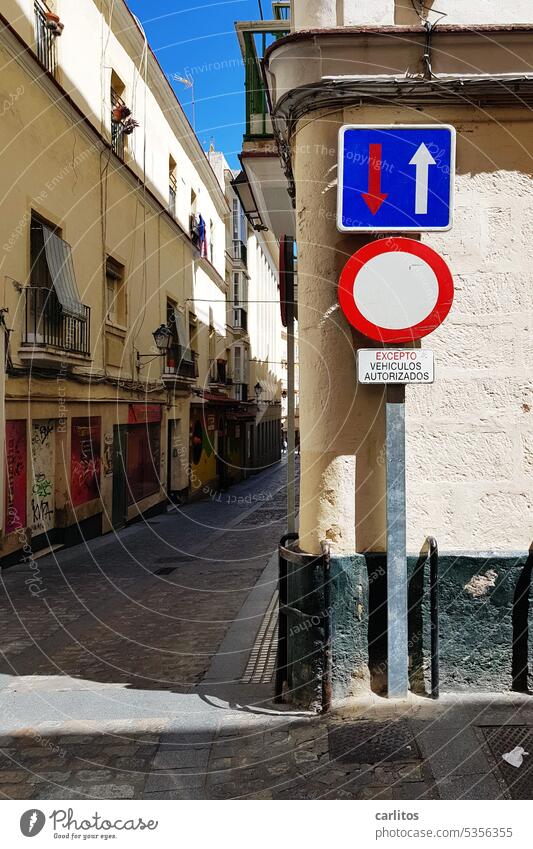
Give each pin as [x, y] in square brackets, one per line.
[327, 663]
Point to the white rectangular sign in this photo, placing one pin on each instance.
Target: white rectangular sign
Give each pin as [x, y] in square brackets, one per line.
[395, 365]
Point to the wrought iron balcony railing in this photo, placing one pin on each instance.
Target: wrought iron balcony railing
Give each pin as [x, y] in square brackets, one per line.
[199, 237]
[181, 363]
[117, 129]
[48, 326]
[172, 194]
[45, 38]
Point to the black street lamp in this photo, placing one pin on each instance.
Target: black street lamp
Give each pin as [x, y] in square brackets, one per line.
[163, 342]
[163, 338]
[258, 389]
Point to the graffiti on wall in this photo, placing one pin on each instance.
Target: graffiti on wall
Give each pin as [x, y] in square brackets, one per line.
[15, 518]
[43, 467]
[107, 459]
[85, 460]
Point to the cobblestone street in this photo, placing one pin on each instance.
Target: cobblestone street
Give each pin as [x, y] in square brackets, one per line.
[141, 666]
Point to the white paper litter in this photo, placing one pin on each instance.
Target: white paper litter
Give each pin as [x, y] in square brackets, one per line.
[516, 756]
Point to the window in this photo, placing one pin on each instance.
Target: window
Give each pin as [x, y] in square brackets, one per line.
[40, 276]
[237, 365]
[236, 220]
[211, 241]
[172, 186]
[236, 288]
[180, 360]
[193, 202]
[119, 113]
[176, 323]
[241, 392]
[115, 292]
[55, 315]
[52, 268]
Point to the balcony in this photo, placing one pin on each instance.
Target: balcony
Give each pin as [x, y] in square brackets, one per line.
[172, 194]
[240, 252]
[240, 319]
[282, 11]
[117, 127]
[198, 234]
[181, 365]
[172, 200]
[218, 373]
[46, 32]
[50, 334]
[254, 38]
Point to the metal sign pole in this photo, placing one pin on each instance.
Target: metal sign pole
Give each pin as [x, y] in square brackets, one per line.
[397, 647]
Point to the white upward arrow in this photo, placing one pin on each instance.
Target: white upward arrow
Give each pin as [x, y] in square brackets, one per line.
[422, 160]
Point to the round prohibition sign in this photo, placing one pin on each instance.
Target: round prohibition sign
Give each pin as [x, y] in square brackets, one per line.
[396, 290]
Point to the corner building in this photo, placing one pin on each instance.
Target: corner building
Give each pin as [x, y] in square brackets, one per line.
[470, 435]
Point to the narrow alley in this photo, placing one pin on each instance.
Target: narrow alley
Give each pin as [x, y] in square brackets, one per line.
[141, 666]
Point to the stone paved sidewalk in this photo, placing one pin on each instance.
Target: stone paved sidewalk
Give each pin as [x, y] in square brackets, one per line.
[123, 683]
[410, 751]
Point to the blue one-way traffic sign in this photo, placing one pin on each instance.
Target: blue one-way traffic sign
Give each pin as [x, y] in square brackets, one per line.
[396, 178]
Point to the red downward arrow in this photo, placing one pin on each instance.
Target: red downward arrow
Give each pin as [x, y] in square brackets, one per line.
[374, 198]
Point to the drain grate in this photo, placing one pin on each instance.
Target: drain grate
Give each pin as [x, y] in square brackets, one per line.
[503, 738]
[166, 570]
[262, 662]
[372, 742]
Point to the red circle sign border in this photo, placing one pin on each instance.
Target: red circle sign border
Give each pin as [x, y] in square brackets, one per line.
[392, 245]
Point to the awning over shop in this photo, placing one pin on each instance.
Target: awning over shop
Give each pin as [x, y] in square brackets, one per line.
[242, 415]
[213, 398]
[61, 268]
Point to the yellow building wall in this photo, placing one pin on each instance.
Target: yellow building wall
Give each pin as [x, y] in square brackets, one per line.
[52, 164]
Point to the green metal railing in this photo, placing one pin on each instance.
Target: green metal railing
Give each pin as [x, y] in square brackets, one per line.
[282, 11]
[254, 43]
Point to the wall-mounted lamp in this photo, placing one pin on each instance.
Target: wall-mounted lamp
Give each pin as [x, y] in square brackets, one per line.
[163, 341]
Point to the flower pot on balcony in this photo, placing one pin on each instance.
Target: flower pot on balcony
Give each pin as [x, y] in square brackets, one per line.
[129, 125]
[120, 113]
[51, 16]
[55, 27]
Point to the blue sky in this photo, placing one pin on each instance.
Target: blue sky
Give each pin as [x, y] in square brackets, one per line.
[197, 38]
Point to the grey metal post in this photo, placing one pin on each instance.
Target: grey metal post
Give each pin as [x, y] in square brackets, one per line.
[397, 651]
[291, 442]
